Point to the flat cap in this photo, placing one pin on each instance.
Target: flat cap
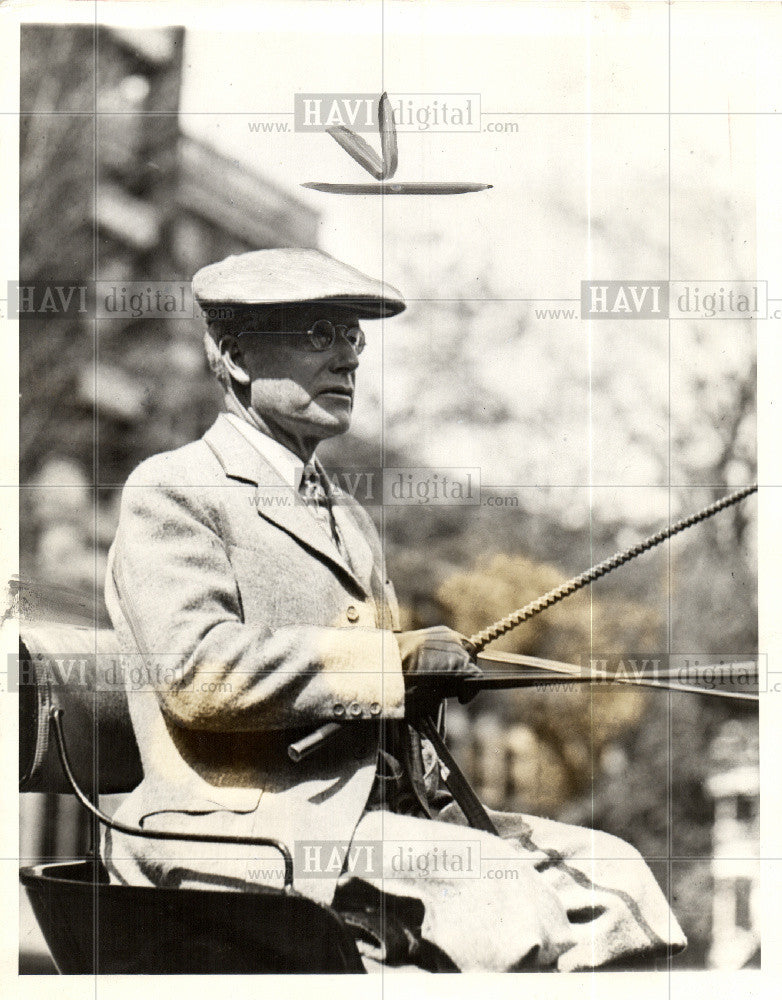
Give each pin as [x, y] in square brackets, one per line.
[294, 277]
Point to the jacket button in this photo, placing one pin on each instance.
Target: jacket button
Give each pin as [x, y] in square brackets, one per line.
[339, 709]
[352, 614]
[355, 708]
[374, 708]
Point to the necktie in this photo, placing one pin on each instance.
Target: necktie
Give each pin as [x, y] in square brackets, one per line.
[313, 492]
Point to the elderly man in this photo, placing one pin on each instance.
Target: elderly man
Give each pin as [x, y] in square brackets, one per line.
[260, 608]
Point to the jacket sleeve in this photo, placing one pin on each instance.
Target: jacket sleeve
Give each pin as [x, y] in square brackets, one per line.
[171, 583]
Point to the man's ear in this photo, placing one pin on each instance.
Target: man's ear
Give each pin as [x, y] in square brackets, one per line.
[233, 359]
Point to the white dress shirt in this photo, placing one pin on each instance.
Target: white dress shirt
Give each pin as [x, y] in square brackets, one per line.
[289, 466]
[353, 547]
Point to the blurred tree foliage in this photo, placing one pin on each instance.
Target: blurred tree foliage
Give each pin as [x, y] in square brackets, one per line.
[573, 726]
[630, 761]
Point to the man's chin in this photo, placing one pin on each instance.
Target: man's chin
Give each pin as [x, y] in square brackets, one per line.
[333, 411]
[327, 423]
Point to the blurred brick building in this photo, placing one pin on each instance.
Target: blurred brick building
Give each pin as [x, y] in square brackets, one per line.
[119, 196]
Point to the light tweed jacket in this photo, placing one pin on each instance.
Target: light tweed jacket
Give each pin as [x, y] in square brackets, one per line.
[251, 629]
[243, 627]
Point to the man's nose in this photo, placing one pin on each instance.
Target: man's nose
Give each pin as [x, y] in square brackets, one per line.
[343, 355]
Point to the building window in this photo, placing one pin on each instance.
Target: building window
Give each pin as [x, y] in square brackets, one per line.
[743, 893]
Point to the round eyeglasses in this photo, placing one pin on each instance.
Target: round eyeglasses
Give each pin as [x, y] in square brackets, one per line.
[323, 334]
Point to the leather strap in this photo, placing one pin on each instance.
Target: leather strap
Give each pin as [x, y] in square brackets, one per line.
[413, 764]
[458, 785]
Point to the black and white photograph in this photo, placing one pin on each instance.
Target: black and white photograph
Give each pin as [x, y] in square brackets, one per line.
[390, 541]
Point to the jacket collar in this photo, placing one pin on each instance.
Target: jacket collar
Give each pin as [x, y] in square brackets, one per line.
[241, 461]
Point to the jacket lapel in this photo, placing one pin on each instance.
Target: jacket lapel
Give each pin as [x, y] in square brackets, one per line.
[359, 550]
[366, 559]
[277, 501]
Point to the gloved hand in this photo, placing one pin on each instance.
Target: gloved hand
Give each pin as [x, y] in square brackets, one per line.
[435, 662]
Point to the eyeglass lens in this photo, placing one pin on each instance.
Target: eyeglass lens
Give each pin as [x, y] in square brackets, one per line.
[323, 333]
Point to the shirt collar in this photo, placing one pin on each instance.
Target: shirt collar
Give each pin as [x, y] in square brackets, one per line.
[289, 466]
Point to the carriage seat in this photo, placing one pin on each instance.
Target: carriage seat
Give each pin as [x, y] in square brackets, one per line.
[94, 927]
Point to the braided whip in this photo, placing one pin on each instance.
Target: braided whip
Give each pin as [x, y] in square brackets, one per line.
[487, 635]
[304, 747]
